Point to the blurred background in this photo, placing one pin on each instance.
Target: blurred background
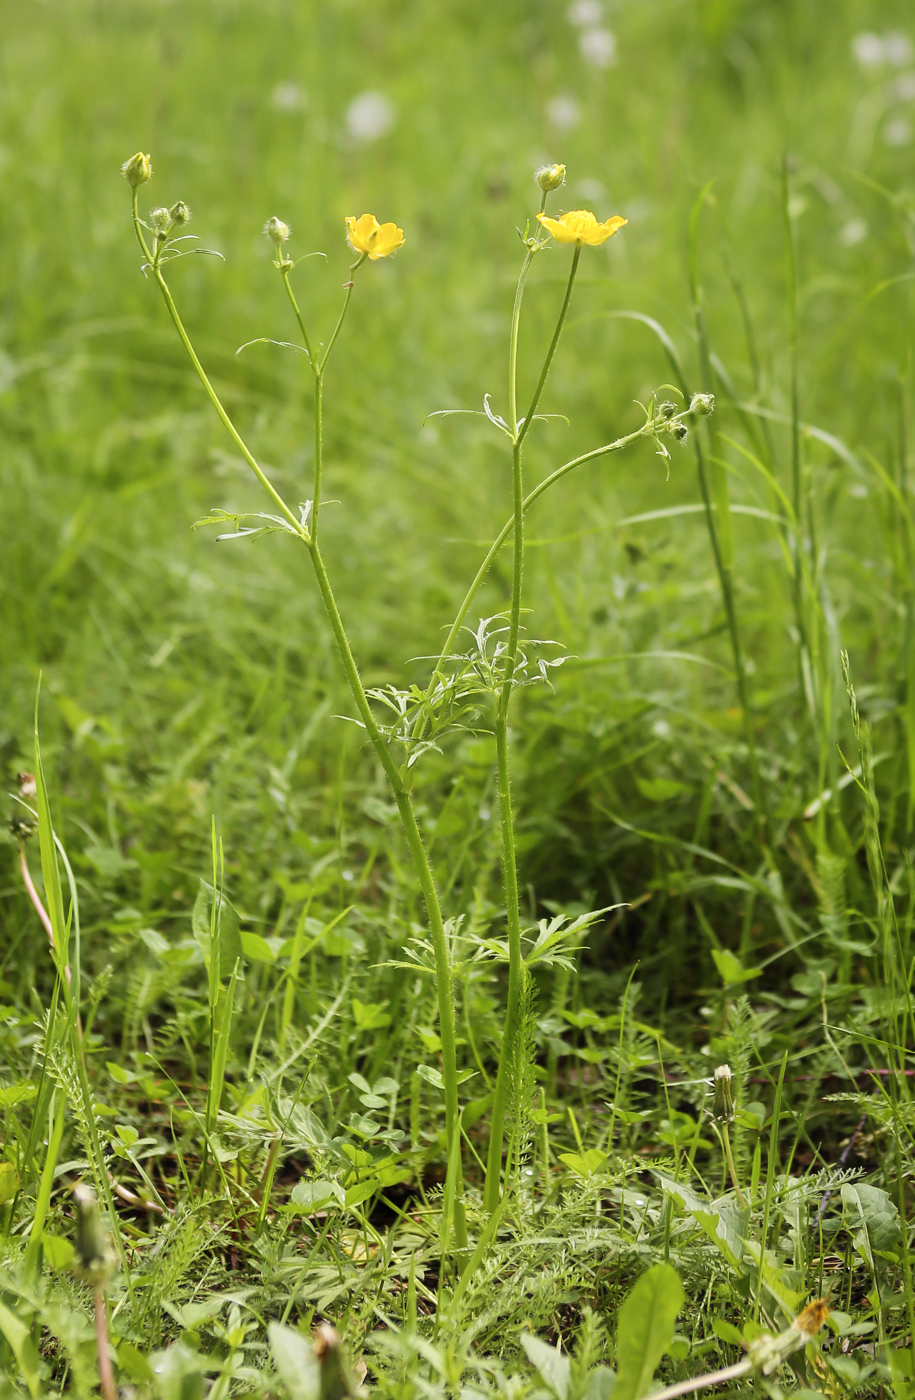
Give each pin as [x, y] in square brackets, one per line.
[182, 678]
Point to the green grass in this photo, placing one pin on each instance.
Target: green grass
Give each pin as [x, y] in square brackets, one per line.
[184, 682]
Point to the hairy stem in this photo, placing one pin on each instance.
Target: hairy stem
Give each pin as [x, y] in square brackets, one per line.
[444, 979]
[506, 814]
[443, 972]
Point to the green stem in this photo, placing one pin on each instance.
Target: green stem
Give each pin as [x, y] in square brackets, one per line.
[645, 431]
[506, 814]
[443, 972]
[529, 418]
[444, 980]
[341, 318]
[285, 269]
[731, 1167]
[220, 411]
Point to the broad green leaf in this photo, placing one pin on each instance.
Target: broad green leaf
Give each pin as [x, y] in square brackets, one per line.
[370, 1016]
[315, 1195]
[58, 1252]
[9, 1182]
[365, 1127]
[552, 1366]
[645, 1329]
[431, 1075]
[660, 789]
[586, 1163]
[256, 948]
[726, 1331]
[360, 1192]
[873, 1215]
[134, 1364]
[295, 1361]
[230, 949]
[731, 970]
[15, 1094]
[22, 1347]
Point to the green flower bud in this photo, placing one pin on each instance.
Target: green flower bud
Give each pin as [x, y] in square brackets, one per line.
[667, 409]
[161, 221]
[180, 213]
[137, 170]
[277, 231]
[550, 177]
[680, 431]
[94, 1260]
[702, 403]
[723, 1102]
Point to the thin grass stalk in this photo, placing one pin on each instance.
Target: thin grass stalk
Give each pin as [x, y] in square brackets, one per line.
[721, 532]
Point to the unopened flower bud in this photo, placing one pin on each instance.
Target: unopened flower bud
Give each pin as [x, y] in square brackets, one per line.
[550, 177]
[94, 1260]
[680, 431]
[337, 1381]
[161, 221]
[277, 231]
[723, 1102]
[137, 170]
[702, 403]
[667, 409]
[28, 788]
[180, 213]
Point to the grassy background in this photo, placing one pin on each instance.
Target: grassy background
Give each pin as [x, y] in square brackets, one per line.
[183, 679]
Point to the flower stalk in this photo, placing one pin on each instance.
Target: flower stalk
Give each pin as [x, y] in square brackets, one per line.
[380, 247]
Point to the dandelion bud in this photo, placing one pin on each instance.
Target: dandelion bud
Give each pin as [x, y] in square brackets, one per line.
[93, 1256]
[680, 431]
[337, 1381]
[180, 213]
[550, 177]
[667, 409]
[277, 231]
[161, 221]
[702, 403]
[137, 170]
[723, 1103]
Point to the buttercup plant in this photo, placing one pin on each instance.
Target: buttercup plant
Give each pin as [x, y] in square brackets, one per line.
[498, 664]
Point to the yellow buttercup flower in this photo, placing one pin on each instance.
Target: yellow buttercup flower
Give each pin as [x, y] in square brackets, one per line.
[580, 227]
[367, 235]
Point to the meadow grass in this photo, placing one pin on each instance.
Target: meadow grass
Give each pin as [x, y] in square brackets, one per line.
[244, 1065]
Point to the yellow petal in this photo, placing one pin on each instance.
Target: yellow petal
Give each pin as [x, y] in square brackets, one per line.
[367, 235]
[558, 229]
[387, 240]
[580, 227]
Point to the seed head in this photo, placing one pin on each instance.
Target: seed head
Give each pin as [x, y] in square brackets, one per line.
[277, 231]
[702, 403]
[812, 1318]
[137, 170]
[723, 1103]
[28, 788]
[550, 177]
[161, 221]
[180, 214]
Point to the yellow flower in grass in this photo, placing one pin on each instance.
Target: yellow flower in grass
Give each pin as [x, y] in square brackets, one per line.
[580, 227]
[367, 235]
